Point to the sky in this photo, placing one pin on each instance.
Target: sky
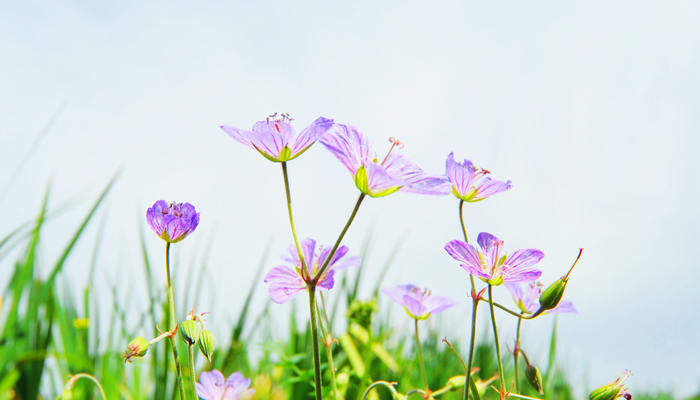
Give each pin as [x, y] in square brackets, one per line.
[590, 108]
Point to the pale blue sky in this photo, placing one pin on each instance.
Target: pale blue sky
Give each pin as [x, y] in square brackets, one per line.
[590, 108]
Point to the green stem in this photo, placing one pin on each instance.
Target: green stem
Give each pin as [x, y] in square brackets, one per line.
[495, 337]
[291, 218]
[461, 220]
[340, 238]
[468, 381]
[171, 312]
[314, 339]
[94, 380]
[420, 357]
[328, 343]
[516, 352]
[193, 377]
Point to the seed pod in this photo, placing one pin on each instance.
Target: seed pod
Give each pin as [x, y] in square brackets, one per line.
[612, 390]
[206, 344]
[534, 377]
[552, 295]
[189, 331]
[137, 348]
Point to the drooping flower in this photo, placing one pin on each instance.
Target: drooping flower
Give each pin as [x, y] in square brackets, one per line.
[213, 386]
[470, 183]
[275, 138]
[418, 303]
[612, 390]
[379, 178]
[286, 281]
[492, 264]
[528, 299]
[172, 222]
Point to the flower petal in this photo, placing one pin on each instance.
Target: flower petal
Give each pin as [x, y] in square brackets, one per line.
[488, 187]
[283, 284]
[436, 304]
[240, 135]
[459, 174]
[348, 145]
[464, 253]
[310, 134]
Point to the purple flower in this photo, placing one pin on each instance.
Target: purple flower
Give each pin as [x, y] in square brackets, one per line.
[470, 183]
[491, 263]
[379, 178]
[286, 281]
[276, 140]
[528, 300]
[172, 222]
[212, 386]
[419, 303]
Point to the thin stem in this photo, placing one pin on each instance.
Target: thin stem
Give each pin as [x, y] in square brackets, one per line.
[84, 375]
[420, 357]
[516, 353]
[190, 351]
[291, 218]
[340, 238]
[314, 337]
[388, 385]
[328, 343]
[495, 337]
[468, 381]
[511, 312]
[171, 308]
[461, 220]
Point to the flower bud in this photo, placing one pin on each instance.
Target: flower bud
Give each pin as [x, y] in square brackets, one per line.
[189, 331]
[534, 377]
[136, 349]
[206, 343]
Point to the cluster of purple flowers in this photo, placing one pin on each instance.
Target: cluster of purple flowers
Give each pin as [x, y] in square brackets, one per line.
[308, 267]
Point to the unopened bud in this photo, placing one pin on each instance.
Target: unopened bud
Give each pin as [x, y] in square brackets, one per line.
[189, 331]
[136, 349]
[534, 377]
[206, 343]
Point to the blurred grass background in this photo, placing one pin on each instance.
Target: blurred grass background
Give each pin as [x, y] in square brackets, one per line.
[51, 329]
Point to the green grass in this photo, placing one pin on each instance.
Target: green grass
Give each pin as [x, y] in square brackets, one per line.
[50, 331]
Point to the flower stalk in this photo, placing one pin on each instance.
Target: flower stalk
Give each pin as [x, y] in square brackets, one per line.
[172, 320]
[469, 382]
[420, 357]
[314, 339]
[495, 338]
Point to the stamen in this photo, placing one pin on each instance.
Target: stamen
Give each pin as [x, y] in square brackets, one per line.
[394, 143]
